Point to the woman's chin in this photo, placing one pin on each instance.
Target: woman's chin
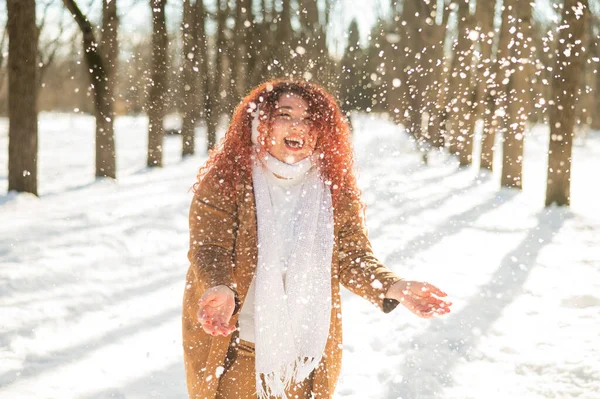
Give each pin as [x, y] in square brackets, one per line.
[291, 159]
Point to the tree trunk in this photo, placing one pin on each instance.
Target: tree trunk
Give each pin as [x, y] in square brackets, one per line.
[229, 100]
[593, 24]
[205, 69]
[214, 102]
[567, 73]
[262, 38]
[518, 107]
[22, 96]
[313, 62]
[434, 36]
[398, 95]
[105, 111]
[350, 74]
[101, 84]
[412, 62]
[156, 95]
[190, 62]
[285, 36]
[460, 133]
[485, 12]
[497, 94]
[242, 39]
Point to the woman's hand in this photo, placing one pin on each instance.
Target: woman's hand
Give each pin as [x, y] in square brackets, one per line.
[420, 298]
[215, 309]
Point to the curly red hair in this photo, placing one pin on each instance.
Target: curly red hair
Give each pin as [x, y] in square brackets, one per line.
[231, 159]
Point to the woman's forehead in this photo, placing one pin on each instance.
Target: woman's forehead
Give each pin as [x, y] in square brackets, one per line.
[291, 100]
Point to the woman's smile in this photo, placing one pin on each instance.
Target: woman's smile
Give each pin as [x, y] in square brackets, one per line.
[293, 143]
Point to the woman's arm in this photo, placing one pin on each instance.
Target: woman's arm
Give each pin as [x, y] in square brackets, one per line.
[213, 224]
[360, 271]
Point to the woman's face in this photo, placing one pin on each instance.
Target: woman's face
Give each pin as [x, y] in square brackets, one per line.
[292, 138]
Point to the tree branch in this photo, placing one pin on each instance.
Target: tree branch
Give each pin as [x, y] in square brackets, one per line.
[91, 52]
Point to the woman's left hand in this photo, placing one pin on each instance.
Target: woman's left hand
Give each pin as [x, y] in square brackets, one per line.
[421, 298]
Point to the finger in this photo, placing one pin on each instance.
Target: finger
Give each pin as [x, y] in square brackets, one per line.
[435, 290]
[201, 315]
[208, 328]
[445, 304]
[436, 308]
[229, 330]
[425, 308]
[436, 301]
[421, 314]
[440, 311]
[420, 291]
[432, 312]
[224, 330]
[207, 314]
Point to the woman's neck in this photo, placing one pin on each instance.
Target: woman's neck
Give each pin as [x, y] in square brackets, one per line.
[283, 171]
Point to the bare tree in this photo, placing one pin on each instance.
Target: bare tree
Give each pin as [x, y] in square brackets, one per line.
[489, 65]
[109, 48]
[430, 82]
[518, 103]
[206, 90]
[22, 96]
[242, 39]
[461, 102]
[411, 70]
[102, 86]
[350, 75]
[158, 82]
[216, 85]
[565, 82]
[593, 29]
[3, 40]
[262, 39]
[190, 70]
[311, 52]
[285, 37]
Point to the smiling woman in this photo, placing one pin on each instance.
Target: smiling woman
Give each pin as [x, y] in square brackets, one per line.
[276, 225]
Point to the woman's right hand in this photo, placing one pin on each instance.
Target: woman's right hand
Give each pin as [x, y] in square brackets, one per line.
[215, 309]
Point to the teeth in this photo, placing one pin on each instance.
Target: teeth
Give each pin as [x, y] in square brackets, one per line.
[294, 142]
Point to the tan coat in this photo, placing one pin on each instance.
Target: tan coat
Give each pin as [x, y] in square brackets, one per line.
[223, 250]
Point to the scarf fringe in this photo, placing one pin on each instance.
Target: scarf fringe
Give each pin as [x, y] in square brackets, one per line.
[273, 385]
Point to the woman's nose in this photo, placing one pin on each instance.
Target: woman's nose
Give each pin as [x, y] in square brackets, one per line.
[299, 124]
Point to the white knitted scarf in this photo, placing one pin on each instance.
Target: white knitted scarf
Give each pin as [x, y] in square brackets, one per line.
[292, 315]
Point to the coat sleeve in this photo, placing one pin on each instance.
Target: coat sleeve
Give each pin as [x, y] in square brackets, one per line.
[213, 224]
[359, 270]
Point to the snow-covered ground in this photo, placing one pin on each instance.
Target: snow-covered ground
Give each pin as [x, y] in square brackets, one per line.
[92, 273]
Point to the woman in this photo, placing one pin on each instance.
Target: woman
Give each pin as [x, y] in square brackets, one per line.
[276, 224]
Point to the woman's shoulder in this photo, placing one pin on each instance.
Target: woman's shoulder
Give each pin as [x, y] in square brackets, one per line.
[213, 189]
[348, 206]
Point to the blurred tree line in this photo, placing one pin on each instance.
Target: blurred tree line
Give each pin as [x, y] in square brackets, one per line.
[435, 66]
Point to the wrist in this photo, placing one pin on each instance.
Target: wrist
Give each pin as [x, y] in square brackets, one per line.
[396, 290]
[238, 304]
